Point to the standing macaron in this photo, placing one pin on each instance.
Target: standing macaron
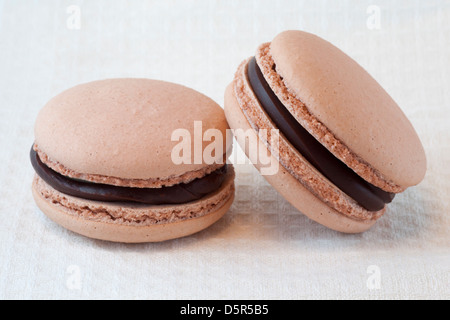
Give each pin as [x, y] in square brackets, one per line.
[106, 166]
[344, 146]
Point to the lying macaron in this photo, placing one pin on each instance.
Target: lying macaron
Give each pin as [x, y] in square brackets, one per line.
[106, 167]
[344, 146]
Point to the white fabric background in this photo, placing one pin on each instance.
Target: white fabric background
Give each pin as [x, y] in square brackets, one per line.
[263, 248]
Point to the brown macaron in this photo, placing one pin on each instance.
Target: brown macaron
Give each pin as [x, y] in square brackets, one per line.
[344, 146]
[106, 166]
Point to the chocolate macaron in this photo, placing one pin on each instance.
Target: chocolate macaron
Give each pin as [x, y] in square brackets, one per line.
[344, 146]
[121, 160]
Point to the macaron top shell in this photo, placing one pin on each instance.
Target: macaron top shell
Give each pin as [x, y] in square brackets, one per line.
[123, 127]
[351, 104]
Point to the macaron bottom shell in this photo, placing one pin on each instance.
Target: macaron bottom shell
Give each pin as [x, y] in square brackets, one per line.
[286, 184]
[131, 223]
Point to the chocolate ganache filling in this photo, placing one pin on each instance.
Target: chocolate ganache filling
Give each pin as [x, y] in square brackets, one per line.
[367, 195]
[177, 194]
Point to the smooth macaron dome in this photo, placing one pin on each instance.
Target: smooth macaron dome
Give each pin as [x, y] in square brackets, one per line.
[342, 137]
[104, 159]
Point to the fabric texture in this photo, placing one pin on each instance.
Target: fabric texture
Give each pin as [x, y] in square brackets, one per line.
[262, 248]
